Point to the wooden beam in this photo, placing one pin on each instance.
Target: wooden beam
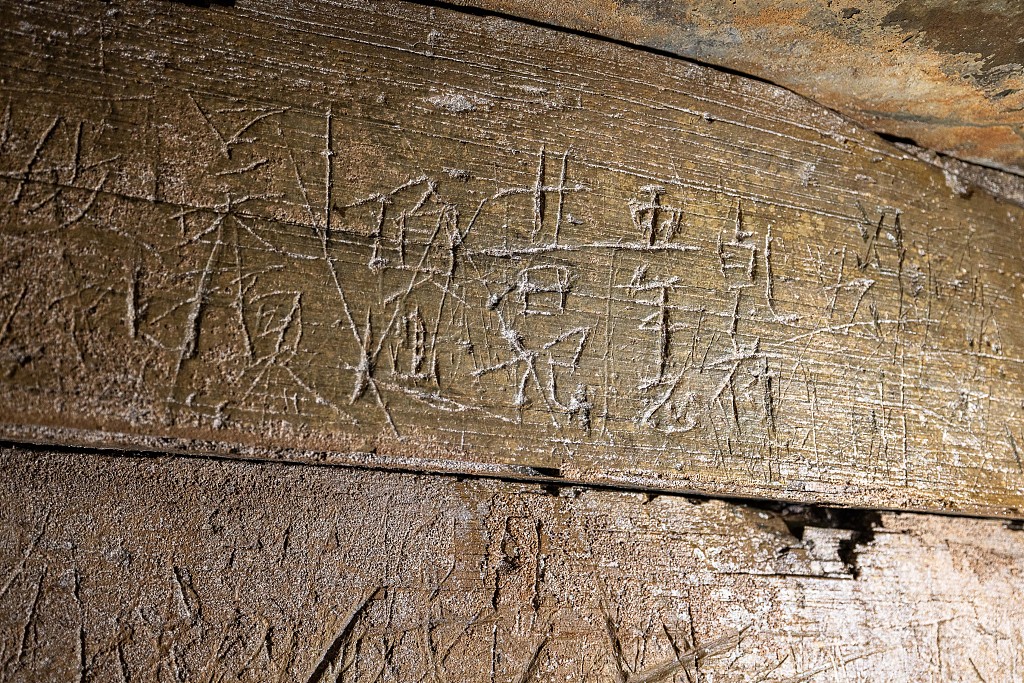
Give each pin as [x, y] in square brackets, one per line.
[378, 233]
[894, 68]
[127, 568]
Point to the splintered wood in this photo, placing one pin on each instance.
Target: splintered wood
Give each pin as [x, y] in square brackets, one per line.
[379, 233]
[127, 569]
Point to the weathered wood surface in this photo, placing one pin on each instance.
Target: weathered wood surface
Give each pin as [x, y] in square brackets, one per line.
[936, 71]
[119, 568]
[378, 233]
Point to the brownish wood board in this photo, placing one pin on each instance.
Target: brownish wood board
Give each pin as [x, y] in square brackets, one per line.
[118, 568]
[934, 71]
[384, 234]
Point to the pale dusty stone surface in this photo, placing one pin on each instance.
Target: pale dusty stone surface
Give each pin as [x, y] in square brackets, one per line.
[115, 567]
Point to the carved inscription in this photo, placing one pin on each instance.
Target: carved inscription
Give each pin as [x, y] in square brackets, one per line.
[307, 272]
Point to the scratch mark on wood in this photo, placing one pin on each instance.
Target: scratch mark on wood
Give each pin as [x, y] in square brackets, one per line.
[6, 327]
[33, 159]
[329, 660]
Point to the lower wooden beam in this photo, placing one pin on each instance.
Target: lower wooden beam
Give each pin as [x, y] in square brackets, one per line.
[149, 568]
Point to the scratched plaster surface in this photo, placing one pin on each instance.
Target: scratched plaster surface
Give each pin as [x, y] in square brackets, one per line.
[424, 239]
[120, 568]
[947, 73]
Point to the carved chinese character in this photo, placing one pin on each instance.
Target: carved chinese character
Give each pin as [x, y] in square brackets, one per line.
[656, 222]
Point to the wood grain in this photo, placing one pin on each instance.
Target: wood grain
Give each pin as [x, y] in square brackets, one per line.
[120, 568]
[897, 67]
[383, 234]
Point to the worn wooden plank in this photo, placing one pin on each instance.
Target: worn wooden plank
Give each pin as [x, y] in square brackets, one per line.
[926, 70]
[378, 233]
[124, 568]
